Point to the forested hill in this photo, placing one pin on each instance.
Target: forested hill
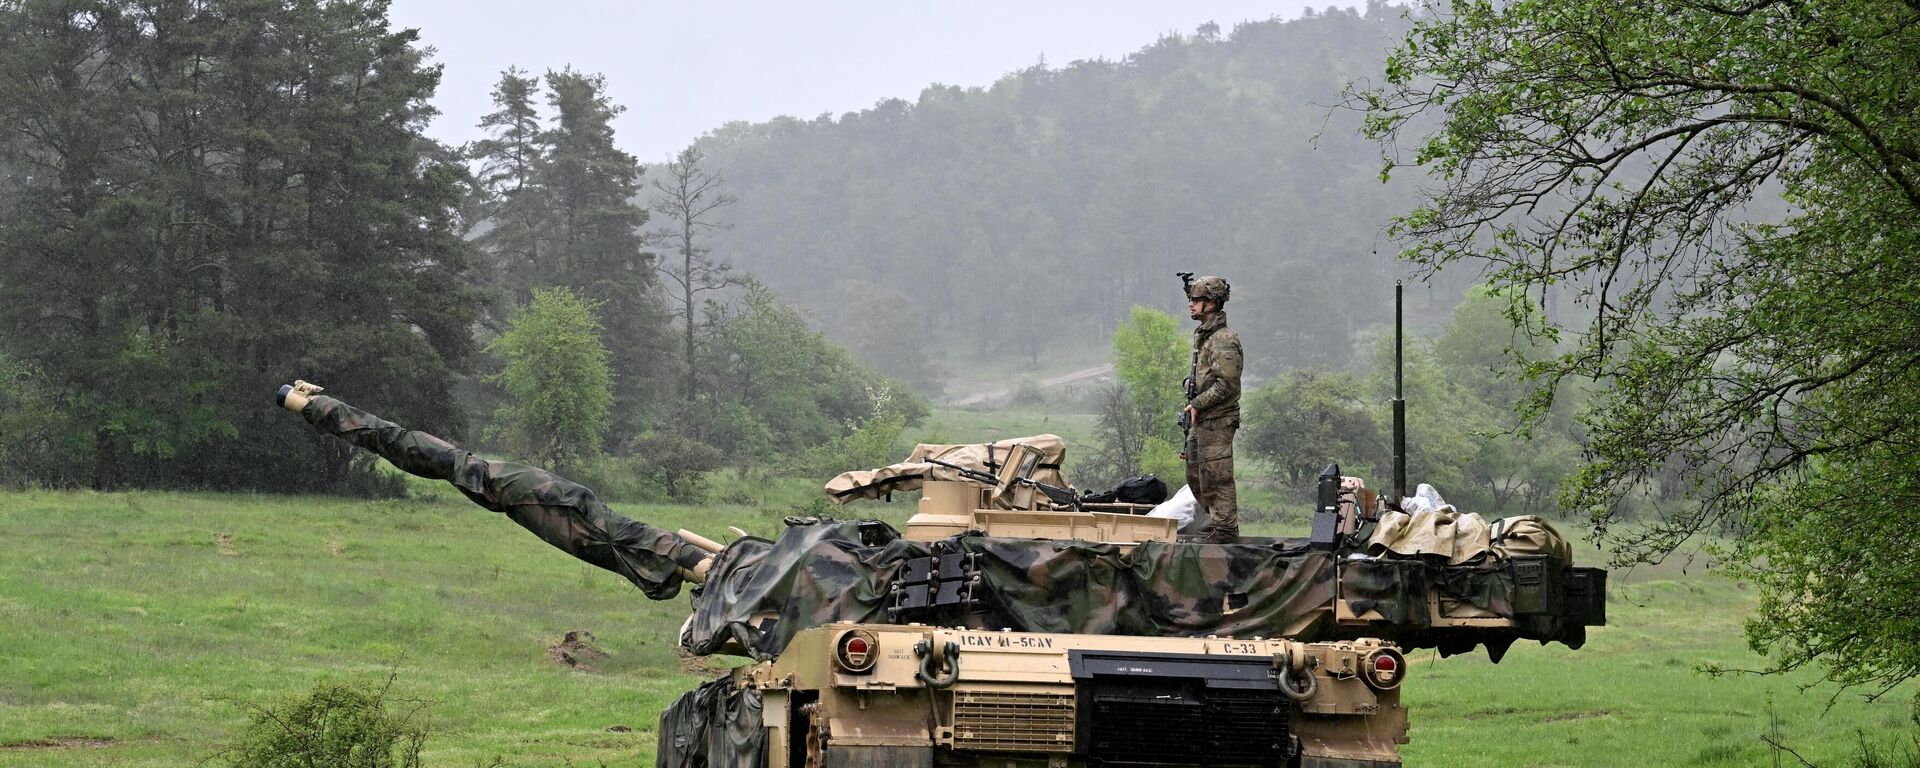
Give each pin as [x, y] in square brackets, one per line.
[1025, 218]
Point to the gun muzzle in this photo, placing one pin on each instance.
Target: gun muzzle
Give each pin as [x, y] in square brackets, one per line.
[698, 574]
[700, 541]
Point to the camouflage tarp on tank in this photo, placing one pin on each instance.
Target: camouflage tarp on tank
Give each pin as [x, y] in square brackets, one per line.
[813, 574]
[840, 571]
[761, 593]
[716, 724]
[560, 511]
[1382, 584]
[1464, 538]
[1159, 588]
[916, 470]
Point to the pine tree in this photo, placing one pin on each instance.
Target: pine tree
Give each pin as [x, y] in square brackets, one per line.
[220, 196]
[514, 202]
[596, 246]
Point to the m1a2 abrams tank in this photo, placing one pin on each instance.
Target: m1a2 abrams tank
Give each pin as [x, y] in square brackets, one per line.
[874, 648]
[1013, 628]
[1035, 634]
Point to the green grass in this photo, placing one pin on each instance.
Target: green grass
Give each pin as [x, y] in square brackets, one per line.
[1634, 696]
[133, 626]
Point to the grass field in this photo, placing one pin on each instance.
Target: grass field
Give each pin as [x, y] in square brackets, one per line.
[134, 626]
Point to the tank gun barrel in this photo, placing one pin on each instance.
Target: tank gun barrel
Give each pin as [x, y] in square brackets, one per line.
[700, 541]
[698, 573]
[562, 512]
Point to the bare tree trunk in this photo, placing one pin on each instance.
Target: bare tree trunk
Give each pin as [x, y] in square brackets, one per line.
[689, 196]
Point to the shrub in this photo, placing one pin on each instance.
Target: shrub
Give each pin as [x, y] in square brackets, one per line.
[335, 725]
[660, 466]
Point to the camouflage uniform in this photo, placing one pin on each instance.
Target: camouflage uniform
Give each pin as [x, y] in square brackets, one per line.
[1216, 406]
[564, 513]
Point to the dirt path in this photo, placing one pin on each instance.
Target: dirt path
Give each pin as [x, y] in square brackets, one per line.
[978, 398]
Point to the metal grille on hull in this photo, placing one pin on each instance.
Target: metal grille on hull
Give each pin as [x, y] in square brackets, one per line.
[1013, 722]
[1189, 725]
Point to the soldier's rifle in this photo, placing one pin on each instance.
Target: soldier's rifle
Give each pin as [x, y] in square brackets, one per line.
[1055, 494]
[1185, 420]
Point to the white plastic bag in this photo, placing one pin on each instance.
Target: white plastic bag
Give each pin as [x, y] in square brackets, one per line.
[1179, 508]
[1426, 498]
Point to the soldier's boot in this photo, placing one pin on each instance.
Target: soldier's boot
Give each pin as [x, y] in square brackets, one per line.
[294, 397]
[1223, 535]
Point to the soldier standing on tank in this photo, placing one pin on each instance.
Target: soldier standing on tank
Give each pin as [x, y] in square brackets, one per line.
[1213, 412]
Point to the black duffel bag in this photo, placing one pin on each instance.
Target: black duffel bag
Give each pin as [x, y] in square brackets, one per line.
[1145, 489]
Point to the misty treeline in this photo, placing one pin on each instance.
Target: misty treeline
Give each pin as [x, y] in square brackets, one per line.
[1464, 435]
[705, 363]
[203, 200]
[1025, 219]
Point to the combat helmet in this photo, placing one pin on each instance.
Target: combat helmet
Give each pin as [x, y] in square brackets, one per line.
[1209, 288]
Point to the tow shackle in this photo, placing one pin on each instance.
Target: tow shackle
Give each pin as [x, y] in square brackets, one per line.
[947, 655]
[1293, 671]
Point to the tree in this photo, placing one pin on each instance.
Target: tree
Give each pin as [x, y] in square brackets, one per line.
[891, 332]
[1772, 358]
[1514, 460]
[558, 382]
[596, 246]
[1120, 433]
[688, 197]
[1137, 421]
[1027, 217]
[206, 200]
[514, 202]
[1152, 357]
[775, 384]
[1310, 418]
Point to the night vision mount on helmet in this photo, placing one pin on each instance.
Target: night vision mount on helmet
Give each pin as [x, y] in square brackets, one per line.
[1209, 288]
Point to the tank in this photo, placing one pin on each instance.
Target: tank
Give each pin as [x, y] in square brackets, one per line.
[1011, 623]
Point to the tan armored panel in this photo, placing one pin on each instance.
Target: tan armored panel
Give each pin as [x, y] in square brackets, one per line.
[986, 697]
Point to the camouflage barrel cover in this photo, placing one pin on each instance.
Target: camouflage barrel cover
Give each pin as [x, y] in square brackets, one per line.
[561, 512]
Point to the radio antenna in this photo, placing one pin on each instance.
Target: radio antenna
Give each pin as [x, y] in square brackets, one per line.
[1399, 406]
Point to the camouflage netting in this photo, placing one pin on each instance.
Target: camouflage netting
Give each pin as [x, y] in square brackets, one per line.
[717, 723]
[841, 571]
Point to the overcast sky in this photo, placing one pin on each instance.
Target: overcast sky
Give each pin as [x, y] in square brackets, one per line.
[683, 68]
